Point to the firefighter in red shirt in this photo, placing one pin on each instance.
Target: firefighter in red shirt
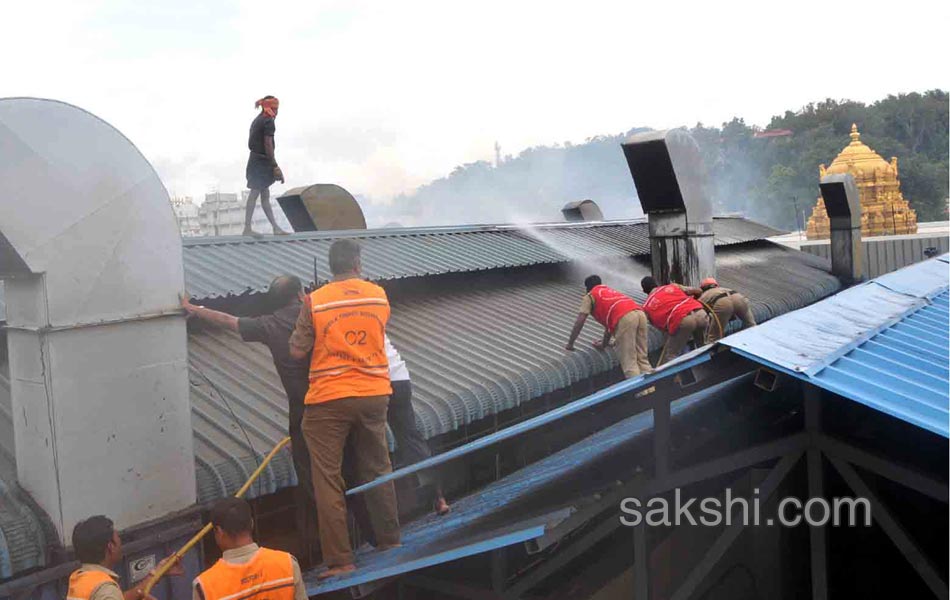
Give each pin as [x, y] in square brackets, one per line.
[622, 318]
[674, 309]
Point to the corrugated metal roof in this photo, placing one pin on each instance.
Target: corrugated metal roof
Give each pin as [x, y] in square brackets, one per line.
[231, 266]
[472, 352]
[883, 343]
[23, 536]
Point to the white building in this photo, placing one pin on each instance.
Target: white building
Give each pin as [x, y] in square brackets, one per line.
[223, 214]
[186, 211]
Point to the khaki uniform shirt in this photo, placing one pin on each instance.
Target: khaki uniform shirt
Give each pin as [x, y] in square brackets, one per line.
[241, 555]
[587, 305]
[710, 294]
[106, 591]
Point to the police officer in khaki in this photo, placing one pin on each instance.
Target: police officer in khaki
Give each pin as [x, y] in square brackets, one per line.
[246, 570]
[98, 548]
[622, 318]
[726, 305]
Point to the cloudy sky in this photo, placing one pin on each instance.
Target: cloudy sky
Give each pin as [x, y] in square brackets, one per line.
[381, 97]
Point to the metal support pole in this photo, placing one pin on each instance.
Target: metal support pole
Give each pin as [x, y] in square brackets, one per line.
[719, 548]
[904, 475]
[661, 438]
[817, 535]
[917, 559]
[641, 563]
[499, 570]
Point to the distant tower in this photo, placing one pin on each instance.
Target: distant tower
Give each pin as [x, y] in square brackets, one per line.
[497, 154]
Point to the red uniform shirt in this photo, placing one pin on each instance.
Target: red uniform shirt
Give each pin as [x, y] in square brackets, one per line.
[667, 305]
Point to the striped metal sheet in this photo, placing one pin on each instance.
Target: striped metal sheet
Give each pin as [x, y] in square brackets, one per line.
[24, 536]
[232, 266]
[883, 344]
[883, 255]
[902, 371]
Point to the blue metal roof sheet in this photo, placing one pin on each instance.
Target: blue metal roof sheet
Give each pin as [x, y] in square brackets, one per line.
[883, 343]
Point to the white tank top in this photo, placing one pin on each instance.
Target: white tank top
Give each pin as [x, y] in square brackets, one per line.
[397, 366]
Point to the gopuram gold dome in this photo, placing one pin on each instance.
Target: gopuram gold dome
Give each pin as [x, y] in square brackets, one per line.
[883, 208]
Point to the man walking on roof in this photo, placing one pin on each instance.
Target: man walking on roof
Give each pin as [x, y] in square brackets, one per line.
[342, 326]
[674, 310]
[99, 548]
[262, 170]
[725, 305]
[622, 318]
[284, 298]
[245, 570]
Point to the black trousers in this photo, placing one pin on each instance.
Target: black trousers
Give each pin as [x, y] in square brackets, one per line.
[411, 447]
[306, 512]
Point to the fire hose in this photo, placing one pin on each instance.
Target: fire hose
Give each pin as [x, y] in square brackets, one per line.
[177, 556]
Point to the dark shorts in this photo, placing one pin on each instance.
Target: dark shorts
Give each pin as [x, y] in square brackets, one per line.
[260, 172]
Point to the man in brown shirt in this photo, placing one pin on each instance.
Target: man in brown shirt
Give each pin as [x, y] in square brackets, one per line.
[284, 297]
[725, 304]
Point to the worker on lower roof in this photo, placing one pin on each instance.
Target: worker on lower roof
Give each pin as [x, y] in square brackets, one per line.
[725, 305]
[674, 309]
[342, 326]
[284, 298]
[411, 446]
[245, 570]
[622, 318]
[99, 548]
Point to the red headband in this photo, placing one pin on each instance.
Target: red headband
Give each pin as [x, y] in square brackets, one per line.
[268, 105]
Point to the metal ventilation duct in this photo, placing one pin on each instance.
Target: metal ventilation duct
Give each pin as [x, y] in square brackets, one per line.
[840, 193]
[92, 261]
[668, 171]
[321, 207]
[584, 210]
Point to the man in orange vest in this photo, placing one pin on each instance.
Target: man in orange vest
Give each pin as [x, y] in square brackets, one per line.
[245, 570]
[342, 328]
[99, 548]
[673, 309]
[622, 318]
[725, 304]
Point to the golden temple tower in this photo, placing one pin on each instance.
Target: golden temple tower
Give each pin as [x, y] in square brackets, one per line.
[883, 208]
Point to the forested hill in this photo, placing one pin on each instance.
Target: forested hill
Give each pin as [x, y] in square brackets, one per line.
[762, 178]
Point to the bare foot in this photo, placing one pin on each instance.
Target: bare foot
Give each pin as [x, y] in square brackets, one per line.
[441, 507]
[334, 571]
[251, 233]
[279, 231]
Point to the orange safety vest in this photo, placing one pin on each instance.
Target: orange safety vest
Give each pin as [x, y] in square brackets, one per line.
[349, 351]
[667, 305]
[83, 584]
[610, 306]
[268, 575]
